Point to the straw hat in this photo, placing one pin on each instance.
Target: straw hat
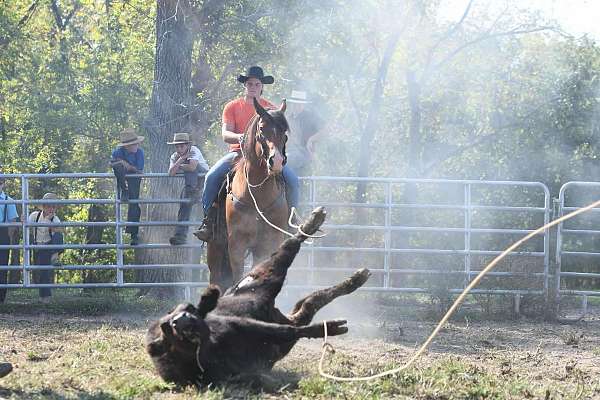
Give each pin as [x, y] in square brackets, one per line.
[299, 97]
[181, 138]
[50, 196]
[129, 136]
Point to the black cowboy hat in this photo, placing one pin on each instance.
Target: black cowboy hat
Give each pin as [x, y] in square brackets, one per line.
[256, 72]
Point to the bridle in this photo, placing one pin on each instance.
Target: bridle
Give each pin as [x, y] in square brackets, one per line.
[263, 141]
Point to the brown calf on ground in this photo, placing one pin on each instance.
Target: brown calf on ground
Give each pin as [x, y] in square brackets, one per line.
[243, 332]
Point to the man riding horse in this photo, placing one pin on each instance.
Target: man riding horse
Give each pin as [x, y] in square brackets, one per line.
[236, 117]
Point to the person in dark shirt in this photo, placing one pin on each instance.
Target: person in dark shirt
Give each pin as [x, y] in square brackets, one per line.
[128, 158]
[305, 127]
[8, 214]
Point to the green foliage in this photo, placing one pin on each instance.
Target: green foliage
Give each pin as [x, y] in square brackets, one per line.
[492, 104]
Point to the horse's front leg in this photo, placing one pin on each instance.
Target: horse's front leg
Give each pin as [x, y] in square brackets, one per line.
[241, 235]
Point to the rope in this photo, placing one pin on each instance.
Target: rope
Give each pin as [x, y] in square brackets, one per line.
[299, 228]
[262, 215]
[455, 305]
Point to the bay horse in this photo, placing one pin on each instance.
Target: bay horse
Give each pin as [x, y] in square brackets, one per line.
[256, 188]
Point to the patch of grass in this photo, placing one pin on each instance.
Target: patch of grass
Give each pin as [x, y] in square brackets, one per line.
[571, 338]
[94, 302]
[144, 387]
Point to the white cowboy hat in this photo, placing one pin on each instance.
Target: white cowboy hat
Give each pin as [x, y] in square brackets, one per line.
[299, 97]
[129, 136]
[50, 196]
[181, 138]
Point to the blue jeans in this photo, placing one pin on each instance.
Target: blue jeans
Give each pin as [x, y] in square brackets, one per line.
[189, 191]
[217, 173]
[44, 257]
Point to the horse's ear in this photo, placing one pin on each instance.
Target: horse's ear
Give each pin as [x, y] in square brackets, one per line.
[260, 110]
[283, 106]
[208, 300]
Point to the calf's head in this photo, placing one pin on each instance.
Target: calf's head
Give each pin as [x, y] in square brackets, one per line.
[174, 340]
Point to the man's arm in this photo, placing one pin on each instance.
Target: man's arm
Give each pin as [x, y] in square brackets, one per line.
[174, 167]
[229, 136]
[190, 166]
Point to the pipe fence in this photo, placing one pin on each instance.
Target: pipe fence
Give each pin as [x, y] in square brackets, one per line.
[416, 235]
[578, 243]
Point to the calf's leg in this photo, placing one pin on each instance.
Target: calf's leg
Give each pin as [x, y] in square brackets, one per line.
[281, 333]
[267, 278]
[305, 309]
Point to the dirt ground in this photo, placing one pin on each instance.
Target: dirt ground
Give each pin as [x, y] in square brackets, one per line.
[102, 356]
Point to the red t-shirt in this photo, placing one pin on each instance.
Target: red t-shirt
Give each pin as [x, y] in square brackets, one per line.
[238, 113]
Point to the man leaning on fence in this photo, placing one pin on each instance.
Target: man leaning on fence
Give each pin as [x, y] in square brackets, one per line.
[189, 161]
[46, 235]
[128, 158]
[8, 213]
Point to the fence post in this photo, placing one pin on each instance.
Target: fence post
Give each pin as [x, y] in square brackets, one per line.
[118, 235]
[25, 212]
[467, 234]
[311, 255]
[387, 235]
[547, 205]
[561, 204]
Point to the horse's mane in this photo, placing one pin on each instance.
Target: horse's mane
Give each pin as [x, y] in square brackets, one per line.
[249, 141]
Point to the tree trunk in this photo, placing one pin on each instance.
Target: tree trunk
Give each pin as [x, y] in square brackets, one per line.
[169, 113]
[370, 126]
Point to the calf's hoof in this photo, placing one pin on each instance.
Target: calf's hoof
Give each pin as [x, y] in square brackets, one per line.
[336, 327]
[314, 221]
[359, 278]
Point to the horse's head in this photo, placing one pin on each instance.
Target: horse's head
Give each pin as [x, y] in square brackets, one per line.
[271, 136]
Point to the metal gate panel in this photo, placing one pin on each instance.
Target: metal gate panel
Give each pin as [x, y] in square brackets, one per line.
[578, 242]
[387, 242]
[416, 235]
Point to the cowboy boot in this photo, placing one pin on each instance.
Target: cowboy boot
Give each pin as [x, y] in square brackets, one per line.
[205, 232]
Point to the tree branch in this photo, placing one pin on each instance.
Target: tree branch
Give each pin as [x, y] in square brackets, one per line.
[449, 33]
[488, 36]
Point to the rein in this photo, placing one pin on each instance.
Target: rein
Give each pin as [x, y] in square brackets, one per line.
[261, 213]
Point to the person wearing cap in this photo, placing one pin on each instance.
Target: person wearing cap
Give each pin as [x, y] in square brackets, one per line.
[305, 124]
[128, 158]
[46, 235]
[8, 214]
[188, 160]
[236, 117]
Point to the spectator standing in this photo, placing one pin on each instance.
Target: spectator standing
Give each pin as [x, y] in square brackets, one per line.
[128, 158]
[189, 161]
[8, 213]
[46, 235]
[305, 125]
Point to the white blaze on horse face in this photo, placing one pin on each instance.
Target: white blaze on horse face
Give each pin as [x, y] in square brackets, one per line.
[275, 159]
